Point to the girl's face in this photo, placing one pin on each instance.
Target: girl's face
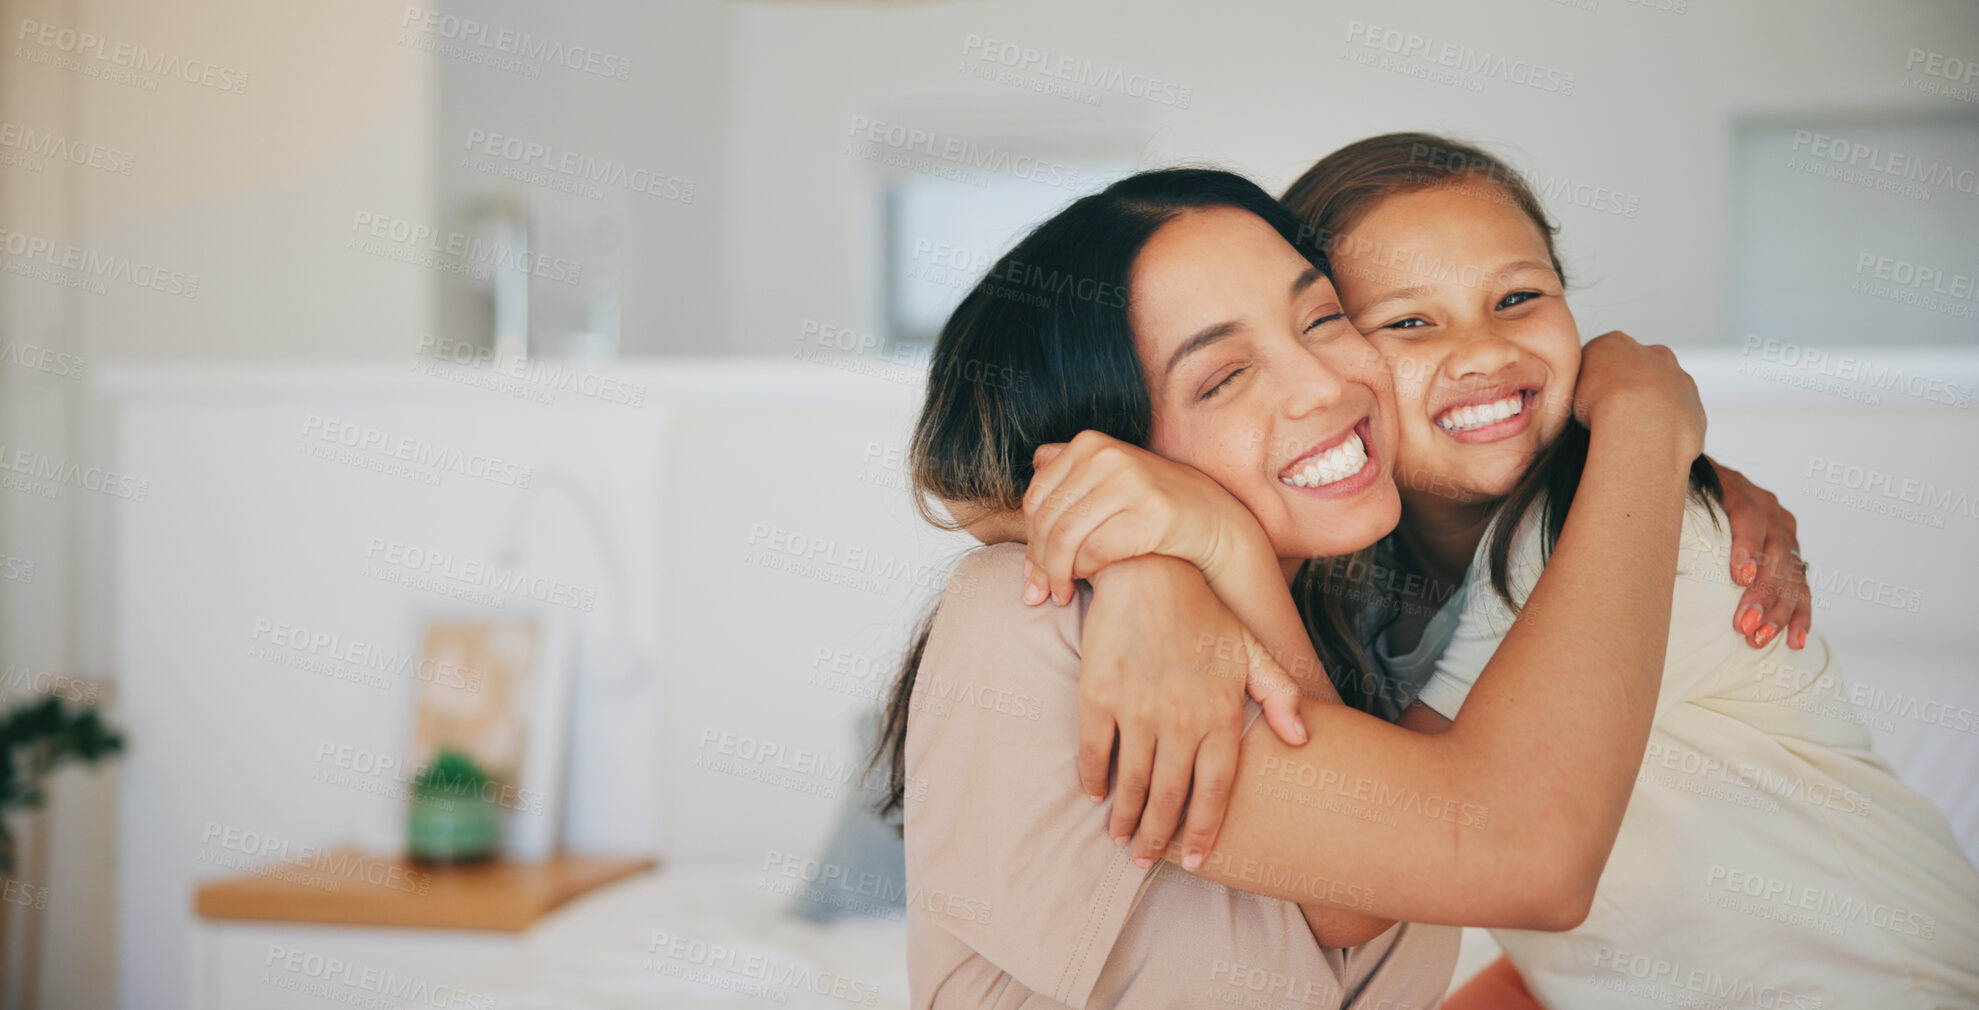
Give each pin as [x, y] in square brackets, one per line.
[1455, 288]
[1259, 381]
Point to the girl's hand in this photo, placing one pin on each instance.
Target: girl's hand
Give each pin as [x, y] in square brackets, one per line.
[1766, 560]
[1096, 500]
[1628, 383]
[1164, 667]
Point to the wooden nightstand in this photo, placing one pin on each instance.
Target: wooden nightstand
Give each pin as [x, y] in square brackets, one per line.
[344, 929]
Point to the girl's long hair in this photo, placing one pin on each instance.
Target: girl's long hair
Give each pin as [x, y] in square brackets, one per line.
[1040, 350]
[1338, 190]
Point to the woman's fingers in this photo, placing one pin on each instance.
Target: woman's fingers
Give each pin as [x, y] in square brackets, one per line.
[1216, 776]
[1130, 790]
[1803, 614]
[1748, 517]
[1168, 791]
[1772, 596]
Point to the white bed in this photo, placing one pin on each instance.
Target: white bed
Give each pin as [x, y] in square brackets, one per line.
[712, 937]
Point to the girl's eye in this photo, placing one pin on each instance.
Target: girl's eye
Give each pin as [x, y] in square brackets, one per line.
[1517, 298]
[1410, 323]
[1213, 390]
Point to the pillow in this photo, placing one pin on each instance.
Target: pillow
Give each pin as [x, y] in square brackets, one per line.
[863, 871]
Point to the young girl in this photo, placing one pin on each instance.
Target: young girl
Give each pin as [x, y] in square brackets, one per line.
[1123, 313]
[1768, 857]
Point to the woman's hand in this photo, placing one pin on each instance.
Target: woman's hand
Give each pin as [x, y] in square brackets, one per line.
[1164, 667]
[1096, 500]
[1629, 383]
[1766, 560]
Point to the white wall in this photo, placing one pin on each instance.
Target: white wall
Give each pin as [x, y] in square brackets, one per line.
[1650, 116]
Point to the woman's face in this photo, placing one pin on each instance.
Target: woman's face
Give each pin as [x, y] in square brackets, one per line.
[1259, 381]
[1455, 288]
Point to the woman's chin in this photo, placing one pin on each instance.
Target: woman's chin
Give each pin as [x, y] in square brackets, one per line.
[1336, 531]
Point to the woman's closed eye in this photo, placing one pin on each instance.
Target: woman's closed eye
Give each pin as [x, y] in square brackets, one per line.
[1213, 390]
[1323, 320]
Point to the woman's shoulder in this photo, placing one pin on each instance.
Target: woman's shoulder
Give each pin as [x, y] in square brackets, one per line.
[983, 611]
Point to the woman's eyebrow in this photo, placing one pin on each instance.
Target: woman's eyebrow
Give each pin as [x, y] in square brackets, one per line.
[1203, 338]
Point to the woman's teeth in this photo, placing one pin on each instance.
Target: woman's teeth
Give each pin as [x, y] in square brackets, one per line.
[1479, 415]
[1335, 464]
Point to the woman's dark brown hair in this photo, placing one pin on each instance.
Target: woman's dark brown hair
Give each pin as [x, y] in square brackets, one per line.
[1040, 350]
[1337, 191]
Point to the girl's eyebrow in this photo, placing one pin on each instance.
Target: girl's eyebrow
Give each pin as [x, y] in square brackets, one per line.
[1419, 290]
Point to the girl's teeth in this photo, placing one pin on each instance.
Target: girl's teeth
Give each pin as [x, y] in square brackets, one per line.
[1336, 464]
[1479, 415]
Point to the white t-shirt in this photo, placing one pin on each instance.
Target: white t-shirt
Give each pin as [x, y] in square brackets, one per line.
[1768, 857]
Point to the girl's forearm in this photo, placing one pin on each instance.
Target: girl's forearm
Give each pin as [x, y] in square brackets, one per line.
[1538, 768]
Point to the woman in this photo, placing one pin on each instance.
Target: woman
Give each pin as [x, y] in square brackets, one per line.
[1766, 850]
[1119, 312]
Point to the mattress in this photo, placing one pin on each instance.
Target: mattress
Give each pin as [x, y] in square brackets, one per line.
[709, 938]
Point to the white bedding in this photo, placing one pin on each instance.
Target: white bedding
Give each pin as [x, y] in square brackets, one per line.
[723, 940]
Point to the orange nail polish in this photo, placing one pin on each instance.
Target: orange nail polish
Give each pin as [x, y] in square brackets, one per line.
[1748, 620]
[1765, 635]
[1797, 639]
[1746, 573]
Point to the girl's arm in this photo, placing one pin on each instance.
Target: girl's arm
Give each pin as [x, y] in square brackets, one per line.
[1507, 818]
